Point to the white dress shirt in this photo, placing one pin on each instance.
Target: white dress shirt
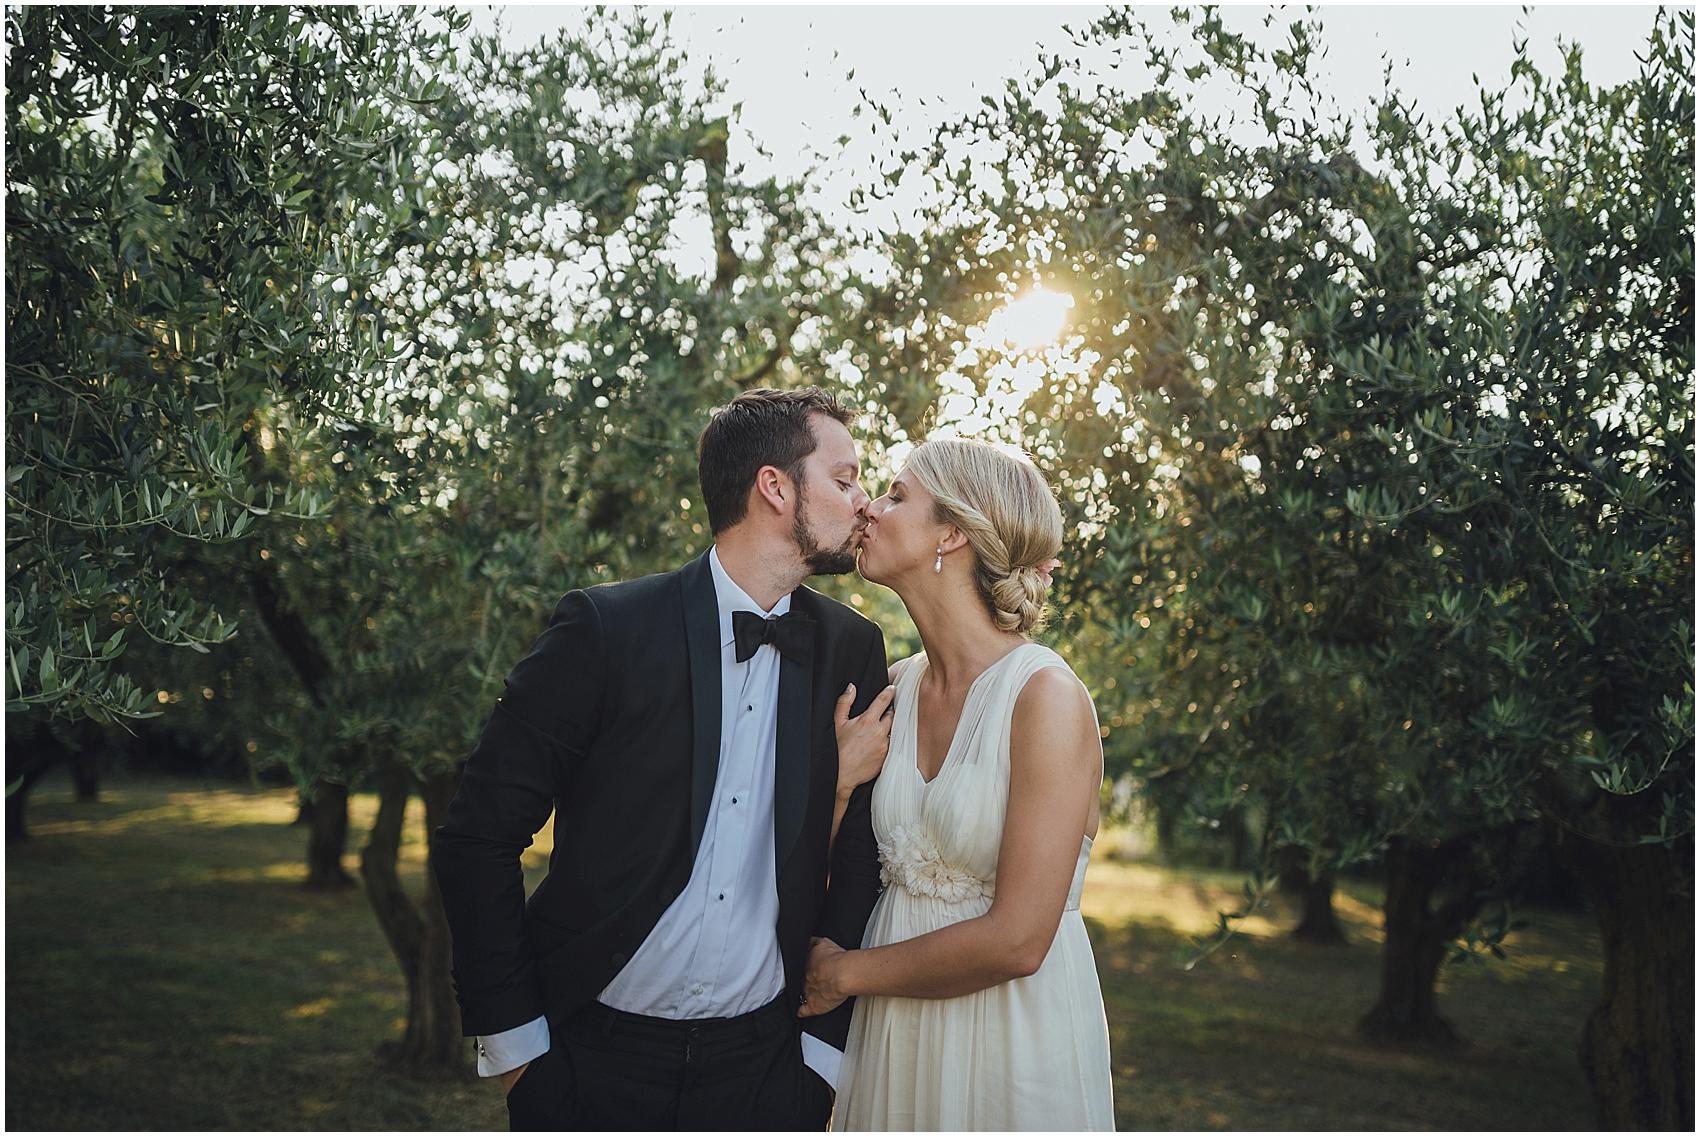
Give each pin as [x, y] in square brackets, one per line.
[715, 951]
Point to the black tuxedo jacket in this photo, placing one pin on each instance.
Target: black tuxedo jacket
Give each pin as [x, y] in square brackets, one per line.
[613, 721]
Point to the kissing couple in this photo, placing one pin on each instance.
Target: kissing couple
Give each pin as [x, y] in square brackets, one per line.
[788, 884]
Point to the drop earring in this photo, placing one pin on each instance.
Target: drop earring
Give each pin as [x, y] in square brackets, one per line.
[938, 561]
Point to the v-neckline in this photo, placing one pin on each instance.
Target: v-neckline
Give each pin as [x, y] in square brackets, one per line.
[915, 724]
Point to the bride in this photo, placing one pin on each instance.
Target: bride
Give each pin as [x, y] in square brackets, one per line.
[977, 1001]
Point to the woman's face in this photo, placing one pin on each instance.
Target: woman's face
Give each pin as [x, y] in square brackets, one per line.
[902, 531]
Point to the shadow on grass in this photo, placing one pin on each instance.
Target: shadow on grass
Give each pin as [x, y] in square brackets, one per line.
[168, 970]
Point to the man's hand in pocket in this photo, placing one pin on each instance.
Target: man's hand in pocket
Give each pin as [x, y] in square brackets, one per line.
[512, 1076]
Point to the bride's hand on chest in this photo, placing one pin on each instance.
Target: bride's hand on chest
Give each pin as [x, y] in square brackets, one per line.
[863, 740]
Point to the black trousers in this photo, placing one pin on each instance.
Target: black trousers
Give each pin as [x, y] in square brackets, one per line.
[608, 1069]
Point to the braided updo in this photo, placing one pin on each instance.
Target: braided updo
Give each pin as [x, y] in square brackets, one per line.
[1001, 503]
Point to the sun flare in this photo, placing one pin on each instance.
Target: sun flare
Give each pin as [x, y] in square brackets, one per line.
[1033, 320]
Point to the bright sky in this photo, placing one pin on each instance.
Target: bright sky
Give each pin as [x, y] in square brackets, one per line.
[787, 65]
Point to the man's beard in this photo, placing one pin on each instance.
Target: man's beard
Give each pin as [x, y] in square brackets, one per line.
[820, 561]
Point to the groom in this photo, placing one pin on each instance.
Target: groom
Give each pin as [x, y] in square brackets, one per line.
[681, 728]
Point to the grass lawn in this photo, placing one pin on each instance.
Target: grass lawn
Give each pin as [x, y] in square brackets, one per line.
[1260, 1035]
[165, 970]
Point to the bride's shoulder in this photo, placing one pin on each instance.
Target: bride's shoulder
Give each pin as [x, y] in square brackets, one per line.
[1052, 698]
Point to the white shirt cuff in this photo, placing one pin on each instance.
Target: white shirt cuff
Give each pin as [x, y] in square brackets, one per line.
[823, 1058]
[499, 1053]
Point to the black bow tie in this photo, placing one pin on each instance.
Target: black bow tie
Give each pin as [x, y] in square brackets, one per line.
[793, 634]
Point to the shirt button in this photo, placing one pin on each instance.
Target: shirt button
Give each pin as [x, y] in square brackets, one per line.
[697, 990]
[734, 801]
[750, 707]
[723, 896]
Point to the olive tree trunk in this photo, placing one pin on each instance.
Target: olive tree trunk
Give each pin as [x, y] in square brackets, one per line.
[325, 808]
[327, 836]
[1317, 921]
[17, 797]
[1430, 897]
[32, 749]
[85, 774]
[1638, 1043]
[418, 934]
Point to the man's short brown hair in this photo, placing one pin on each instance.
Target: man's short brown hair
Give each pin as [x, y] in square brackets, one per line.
[763, 426]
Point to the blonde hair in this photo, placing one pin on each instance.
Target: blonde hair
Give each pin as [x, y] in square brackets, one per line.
[1001, 503]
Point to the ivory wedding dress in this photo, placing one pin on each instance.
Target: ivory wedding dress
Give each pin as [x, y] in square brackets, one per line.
[1032, 1053]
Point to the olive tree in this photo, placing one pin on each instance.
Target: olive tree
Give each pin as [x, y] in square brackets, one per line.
[185, 188]
[583, 274]
[1376, 434]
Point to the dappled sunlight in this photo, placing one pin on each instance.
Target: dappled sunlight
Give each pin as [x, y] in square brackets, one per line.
[221, 806]
[1147, 919]
[121, 810]
[277, 871]
[128, 806]
[1533, 959]
[1122, 894]
[1361, 918]
[311, 1010]
[1122, 898]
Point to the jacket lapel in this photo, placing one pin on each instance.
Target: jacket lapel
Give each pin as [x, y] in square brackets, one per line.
[702, 643]
[793, 755]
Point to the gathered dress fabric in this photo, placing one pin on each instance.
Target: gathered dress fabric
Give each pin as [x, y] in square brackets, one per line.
[1032, 1053]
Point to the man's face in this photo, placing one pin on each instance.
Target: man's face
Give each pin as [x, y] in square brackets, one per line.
[831, 504]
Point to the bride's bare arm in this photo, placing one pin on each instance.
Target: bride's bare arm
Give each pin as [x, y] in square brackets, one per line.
[1055, 767]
